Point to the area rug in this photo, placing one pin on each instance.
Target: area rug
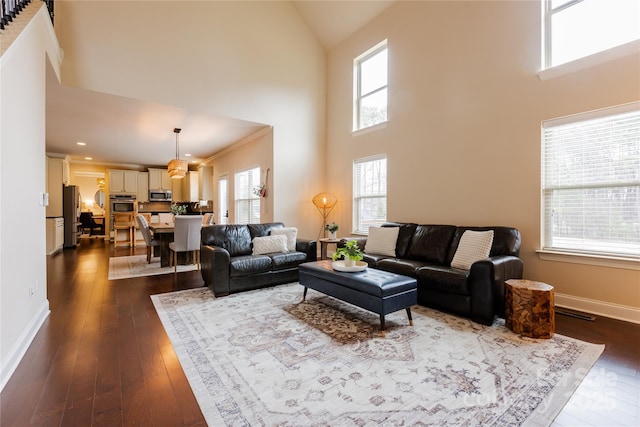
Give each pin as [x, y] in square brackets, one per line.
[264, 358]
[124, 267]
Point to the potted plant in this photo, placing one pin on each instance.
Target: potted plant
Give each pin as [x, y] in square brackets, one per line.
[177, 209]
[350, 253]
[331, 228]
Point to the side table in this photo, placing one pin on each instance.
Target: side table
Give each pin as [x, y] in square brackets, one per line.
[529, 308]
[323, 246]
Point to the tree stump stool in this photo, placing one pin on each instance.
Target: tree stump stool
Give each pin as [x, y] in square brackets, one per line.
[529, 308]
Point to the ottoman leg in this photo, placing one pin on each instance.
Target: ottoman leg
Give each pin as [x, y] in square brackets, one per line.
[304, 295]
[409, 316]
[382, 327]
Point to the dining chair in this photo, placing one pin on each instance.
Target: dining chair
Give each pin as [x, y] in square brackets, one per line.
[207, 219]
[146, 234]
[186, 238]
[123, 221]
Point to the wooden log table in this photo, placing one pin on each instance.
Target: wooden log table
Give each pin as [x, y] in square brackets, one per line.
[529, 308]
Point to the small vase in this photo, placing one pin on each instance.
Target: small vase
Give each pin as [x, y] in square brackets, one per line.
[332, 235]
[348, 262]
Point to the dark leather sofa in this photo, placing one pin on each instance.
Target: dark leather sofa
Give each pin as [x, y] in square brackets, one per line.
[425, 252]
[228, 265]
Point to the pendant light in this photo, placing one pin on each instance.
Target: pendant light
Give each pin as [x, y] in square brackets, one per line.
[177, 168]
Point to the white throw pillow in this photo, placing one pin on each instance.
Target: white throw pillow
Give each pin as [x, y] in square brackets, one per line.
[269, 245]
[382, 241]
[473, 246]
[291, 233]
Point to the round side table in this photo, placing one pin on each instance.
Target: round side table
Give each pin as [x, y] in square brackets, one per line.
[529, 308]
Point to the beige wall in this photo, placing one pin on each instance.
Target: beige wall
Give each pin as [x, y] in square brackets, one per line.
[255, 152]
[463, 137]
[256, 61]
[23, 276]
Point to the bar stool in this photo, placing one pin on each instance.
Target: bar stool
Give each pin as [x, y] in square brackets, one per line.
[123, 221]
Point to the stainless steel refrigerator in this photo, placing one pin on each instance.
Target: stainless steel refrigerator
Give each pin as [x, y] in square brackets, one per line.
[71, 206]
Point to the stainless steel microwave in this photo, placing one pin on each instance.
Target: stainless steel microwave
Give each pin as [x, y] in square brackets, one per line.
[160, 195]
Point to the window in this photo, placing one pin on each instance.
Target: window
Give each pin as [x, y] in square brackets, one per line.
[591, 182]
[369, 193]
[578, 28]
[247, 202]
[223, 200]
[370, 87]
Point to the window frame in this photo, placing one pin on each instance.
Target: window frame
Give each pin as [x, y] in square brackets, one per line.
[581, 255]
[254, 180]
[600, 56]
[357, 197]
[357, 86]
[223, 199]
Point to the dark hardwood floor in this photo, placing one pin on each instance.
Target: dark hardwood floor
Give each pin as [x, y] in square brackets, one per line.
[102, 358]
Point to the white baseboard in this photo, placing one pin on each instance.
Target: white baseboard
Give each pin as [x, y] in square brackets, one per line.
[606, 309]
[18, 351]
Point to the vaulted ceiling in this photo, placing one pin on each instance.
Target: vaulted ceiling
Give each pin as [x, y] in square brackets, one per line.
[72, 111]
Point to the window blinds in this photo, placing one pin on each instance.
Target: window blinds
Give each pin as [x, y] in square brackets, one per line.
[591, 182]
[369, 193]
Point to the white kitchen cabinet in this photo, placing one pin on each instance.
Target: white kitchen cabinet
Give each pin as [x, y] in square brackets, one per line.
[205, 183]
[190, 186]
[55, 234]
[159, 179]
[143, 186]
[57, 177]
[123, 182]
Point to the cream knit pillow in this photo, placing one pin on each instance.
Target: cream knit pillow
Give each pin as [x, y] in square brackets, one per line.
[269, 244]
[382, 241]
[473, 246]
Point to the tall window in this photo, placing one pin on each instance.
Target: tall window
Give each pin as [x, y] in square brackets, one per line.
[223, 200]
[370, 87]
[369, 193]
[591, 182]
[247, 202]
[578, 28]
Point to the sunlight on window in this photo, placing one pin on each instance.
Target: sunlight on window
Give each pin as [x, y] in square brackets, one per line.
[370, 107]
[578, 28]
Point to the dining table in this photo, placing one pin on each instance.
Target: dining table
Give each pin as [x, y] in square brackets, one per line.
[163, 233]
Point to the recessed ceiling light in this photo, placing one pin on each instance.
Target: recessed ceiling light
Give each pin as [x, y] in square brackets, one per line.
[88, 158]
[187, 155]
[81, 143]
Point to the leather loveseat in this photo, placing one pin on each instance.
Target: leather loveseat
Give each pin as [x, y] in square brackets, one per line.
[229, 266]
[425, 252]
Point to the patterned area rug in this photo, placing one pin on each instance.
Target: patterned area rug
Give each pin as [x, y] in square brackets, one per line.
[265, 358]
[124, 267]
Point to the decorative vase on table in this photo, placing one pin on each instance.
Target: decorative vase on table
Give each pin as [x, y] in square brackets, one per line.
[332, 235]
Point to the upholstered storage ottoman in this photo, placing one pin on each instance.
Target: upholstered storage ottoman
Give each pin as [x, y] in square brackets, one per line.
[378, 291]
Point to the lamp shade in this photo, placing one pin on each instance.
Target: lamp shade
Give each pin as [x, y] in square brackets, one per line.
[324, 200]
[177, 168]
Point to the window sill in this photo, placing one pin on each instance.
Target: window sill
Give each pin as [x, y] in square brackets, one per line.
[627, 263]
[583, 63]
[373, 128]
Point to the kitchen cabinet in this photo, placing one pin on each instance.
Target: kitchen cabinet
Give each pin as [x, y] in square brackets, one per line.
[143, 186]
[205, 183]
[123, 182]
[57, 177]
[159, 179]
[190, 187]
[176, 190]
[54, 234]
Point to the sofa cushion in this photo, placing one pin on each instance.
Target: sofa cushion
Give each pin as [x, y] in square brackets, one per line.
[443, 279]
[431, 243]
[291, 233]
[249, 264]
[473, 246]
[234, 238]
[261, 230]
[406, 267]
[404, 236]
[382, 241]
[287, 260]
[269, 245]
[506, 241]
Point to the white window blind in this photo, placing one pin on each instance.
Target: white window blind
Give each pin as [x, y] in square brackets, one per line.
[369, 193]
[591, 182]
[247, 202]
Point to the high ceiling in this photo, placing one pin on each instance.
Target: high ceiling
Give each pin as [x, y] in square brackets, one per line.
[133, 132]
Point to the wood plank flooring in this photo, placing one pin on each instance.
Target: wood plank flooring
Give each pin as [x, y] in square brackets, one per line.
[102, 358]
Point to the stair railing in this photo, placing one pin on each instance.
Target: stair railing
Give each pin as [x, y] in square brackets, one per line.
[9, 9]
